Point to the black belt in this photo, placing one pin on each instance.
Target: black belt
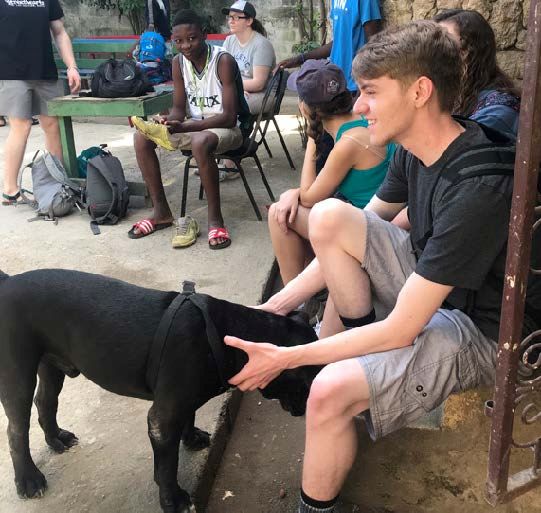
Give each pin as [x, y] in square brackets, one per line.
[162, 334]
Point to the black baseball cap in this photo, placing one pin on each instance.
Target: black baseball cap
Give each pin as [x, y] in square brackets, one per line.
[318, 81]
[241, 6]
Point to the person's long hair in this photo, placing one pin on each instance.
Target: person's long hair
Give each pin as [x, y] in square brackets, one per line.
[258, 27]
[478, 49]
[341, 104]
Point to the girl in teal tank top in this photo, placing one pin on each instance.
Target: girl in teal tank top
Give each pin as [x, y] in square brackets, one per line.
[353, 171]
[360, 185]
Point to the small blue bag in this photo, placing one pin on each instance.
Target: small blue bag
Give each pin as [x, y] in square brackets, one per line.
[151, 47]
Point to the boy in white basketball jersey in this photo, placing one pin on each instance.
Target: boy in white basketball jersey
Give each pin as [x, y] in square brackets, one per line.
[207, 115]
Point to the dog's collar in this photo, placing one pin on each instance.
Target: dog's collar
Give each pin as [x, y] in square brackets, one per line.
[162, 334]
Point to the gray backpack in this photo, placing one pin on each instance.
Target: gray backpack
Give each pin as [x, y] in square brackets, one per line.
[54, 193]
[107, 194]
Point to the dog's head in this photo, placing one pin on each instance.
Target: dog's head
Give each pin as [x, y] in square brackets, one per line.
[291, 388]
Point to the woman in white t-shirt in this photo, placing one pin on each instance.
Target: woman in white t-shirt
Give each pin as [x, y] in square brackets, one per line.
[252, 50]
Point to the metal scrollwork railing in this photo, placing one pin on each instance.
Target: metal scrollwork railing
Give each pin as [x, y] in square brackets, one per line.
[518, 373]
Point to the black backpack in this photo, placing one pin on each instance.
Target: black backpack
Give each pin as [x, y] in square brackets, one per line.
[119, 79]
[496, 158]
[107, 194]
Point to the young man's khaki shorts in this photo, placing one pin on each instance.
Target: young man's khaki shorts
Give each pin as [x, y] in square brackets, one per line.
[26, 98]
[450, 354]
[228, 139]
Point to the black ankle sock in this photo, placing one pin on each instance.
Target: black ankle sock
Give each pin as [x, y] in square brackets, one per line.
[309, 505]
[359, 321]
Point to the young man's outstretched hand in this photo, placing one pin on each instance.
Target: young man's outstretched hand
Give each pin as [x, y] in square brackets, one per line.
[265, 363]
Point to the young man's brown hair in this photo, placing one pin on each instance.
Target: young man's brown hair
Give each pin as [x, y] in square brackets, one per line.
[421, 48]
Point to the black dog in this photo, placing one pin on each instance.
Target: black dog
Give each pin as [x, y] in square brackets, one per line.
[58, 322]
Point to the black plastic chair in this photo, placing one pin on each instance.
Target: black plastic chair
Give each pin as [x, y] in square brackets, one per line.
[248, 148]
[272, 113]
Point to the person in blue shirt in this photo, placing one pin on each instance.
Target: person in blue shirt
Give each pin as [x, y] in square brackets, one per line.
[353, 23]
[488, 95]
[162, 14]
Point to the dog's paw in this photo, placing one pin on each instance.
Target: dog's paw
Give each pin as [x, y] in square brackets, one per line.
[177, 502]
[197, 440]
[62, 441]
[31, 485]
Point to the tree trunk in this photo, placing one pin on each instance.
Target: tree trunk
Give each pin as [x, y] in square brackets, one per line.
[311, 20]
[323, 22]
[300, 18]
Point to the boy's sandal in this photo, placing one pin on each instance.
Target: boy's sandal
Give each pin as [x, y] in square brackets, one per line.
[146, 227]
[219, 233]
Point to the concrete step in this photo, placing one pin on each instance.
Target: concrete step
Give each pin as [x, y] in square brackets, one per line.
[442, 468]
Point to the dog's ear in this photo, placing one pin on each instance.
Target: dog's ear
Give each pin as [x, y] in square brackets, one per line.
[299, 315]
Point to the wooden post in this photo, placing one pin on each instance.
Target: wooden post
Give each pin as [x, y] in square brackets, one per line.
[68, 146]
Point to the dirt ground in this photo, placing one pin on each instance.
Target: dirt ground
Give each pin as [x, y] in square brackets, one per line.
[110, 471]
[260, 470]
[410, 471]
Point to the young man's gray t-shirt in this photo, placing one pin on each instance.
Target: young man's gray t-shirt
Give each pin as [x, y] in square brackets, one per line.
[256, 52]
[468, 226]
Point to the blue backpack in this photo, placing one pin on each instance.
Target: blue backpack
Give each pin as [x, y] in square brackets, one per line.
[151, 47]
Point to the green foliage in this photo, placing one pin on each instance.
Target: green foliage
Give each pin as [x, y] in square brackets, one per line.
[312, 25]
[304, 46]
[134, 10]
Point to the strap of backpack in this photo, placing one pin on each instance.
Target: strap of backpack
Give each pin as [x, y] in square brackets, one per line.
[94, 224]
[22, 190]
[471, 164]
[95, 228]
[474, 163]
[57, 171]
[108, 214]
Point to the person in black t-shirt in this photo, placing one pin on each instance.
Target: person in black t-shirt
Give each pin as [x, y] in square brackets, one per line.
[162, 14]
[162, 25]
[28, 78]
[421, 346]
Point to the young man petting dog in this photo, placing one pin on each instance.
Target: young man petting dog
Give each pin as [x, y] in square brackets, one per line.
[208, 113]
[425, 346]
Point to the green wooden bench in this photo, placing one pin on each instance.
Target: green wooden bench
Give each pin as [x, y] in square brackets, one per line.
[91, 52]
[66, 107]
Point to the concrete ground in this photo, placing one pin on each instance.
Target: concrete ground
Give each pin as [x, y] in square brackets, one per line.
[411, 471]
[111, 468]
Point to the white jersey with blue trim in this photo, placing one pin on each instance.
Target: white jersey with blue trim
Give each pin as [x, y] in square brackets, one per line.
[203, 90]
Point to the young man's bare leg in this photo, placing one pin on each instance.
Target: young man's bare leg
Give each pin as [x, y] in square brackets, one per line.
[19, 129]
[145, 152]
[290, 247]
[51, 130]
[339, 392]
[331, 323]
[338, 236]
[204, 145]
